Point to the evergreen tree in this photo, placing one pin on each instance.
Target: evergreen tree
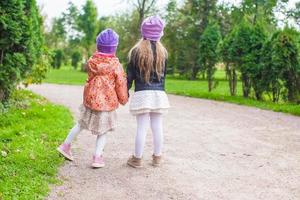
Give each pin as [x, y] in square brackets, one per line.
[87, 22]
[208, 57]
[21, 45]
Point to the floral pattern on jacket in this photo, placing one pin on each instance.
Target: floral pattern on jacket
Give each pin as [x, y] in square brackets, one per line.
[106, 86]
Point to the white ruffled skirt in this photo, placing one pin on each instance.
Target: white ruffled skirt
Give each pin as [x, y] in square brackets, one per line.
[146, 101]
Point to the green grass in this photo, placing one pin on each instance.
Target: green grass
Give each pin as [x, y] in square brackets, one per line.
[30, 131]
[66, 76]
[197, 88]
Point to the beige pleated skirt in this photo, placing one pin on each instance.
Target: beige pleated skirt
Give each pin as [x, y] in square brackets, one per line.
[98, 122]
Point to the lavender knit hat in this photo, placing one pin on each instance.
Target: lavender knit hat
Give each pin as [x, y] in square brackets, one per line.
[107, 41]
[152, 28]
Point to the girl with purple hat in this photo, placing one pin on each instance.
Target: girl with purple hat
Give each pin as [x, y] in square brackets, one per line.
[105, 89]
[147, 69]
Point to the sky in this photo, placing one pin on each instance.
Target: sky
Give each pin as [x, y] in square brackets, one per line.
[54, 8]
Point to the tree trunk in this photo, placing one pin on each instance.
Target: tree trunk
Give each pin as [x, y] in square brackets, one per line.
[209, 79]
[258, 95]
[195, 71]
[2, 96]
[246, 85]
[275, 92]
[232, 79]
[1, 56]
[292, 87]
[227, 71]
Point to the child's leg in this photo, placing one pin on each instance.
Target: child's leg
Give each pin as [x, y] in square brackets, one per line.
[143, 121]
[157, 130]
[72, 134]
[100, 144]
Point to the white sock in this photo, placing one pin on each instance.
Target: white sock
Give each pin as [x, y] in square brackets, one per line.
[157, 131]
[143, 121]
[73, 133]
[100, 144]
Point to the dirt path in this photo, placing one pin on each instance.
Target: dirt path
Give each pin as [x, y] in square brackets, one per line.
[213, 151]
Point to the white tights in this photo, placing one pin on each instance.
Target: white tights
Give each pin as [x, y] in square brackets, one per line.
[100, 141]
[143, 122]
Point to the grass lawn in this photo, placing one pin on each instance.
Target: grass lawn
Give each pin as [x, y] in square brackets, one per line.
[197, 88]
[30, 130]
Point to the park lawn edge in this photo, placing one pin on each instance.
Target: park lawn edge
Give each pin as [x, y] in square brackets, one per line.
[30, 131]
[238, 100]
[73, 77]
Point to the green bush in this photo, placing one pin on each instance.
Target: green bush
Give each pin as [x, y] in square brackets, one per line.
[57, 58]
[75, 59]
[208, 52]
[21, 44]
[285, 61]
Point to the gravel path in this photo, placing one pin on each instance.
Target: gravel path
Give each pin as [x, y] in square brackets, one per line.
[213, 151]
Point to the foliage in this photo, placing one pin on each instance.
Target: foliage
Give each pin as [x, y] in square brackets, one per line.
[208, 57]
[295, 14]
[21, 45]
[57, 58]
[76, 58]
[245, 49]
[194, 19]
[226, 53]
[286, 62]
[87, 23]
[143, 7]
[171, 38]
[252, 61]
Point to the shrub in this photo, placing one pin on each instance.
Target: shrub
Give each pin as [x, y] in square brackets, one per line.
[21, 44]
[285, 61]
[75, 59]
[208, 55]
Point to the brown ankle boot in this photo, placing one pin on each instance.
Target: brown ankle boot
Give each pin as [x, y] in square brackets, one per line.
[156, 160]
[134, 162]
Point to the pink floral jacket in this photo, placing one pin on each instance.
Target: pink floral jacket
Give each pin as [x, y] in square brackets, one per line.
[106, 86]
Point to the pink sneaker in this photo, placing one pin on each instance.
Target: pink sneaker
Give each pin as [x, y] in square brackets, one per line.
[98, 162]
[65, 150]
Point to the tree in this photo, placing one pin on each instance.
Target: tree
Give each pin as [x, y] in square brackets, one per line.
[70, 20]
[56, 38]
[294, 14]
[196, 15]
[143, 8]
[258, 10]
[269, 80]
[75, 59]
[224, 18]
[226, 51]
[252, 61]
[87, 22]
[171, 37]
[21, 45]
[57, 58]
[285, 61]
[208, 52]
[240, 51]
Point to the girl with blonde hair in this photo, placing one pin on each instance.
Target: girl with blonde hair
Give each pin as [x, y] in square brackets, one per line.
[147, 69]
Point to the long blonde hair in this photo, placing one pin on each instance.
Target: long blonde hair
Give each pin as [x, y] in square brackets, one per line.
[142, 56]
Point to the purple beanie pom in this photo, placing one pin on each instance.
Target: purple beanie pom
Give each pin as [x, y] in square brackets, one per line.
[152, 28]
[107, 41]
